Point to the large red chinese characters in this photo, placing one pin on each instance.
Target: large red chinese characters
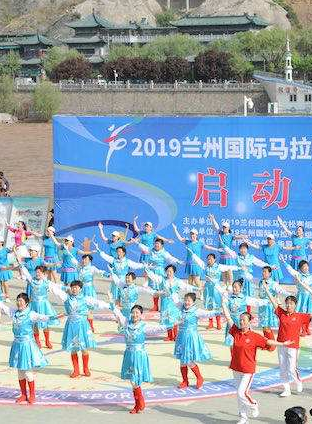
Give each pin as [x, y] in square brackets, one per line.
[275, 190]
[211, 188]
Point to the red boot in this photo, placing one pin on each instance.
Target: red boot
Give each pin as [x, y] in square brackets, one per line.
[185, 381]
[47, 339]
[23, 397]
[90, 320]
[170, 336]
[74, 358]
[141, 401]
[155, 307]
[136, 407]
[85, 361]
[175, 331]
[248, 309]
[199, 377]
[210, 325]
[268, 333]
[37, 340]
[32, 396]
[219, 325]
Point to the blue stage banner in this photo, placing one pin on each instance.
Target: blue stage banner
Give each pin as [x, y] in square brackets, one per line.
[179, 169]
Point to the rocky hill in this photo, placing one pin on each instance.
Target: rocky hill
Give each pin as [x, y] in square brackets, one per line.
[26, 15]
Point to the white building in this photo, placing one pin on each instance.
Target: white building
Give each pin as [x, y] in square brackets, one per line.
[286, 95]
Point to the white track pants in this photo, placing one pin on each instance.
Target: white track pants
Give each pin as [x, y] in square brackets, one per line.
[288, 358]
[245, 402]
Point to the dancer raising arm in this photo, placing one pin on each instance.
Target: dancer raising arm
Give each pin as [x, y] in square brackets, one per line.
[303, 296]
[193, 246]
[158, 258]
[300, 243]
[290, 323]
[243, 360]
[226, 239]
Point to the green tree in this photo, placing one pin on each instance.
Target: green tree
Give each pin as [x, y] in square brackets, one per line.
[117, 52]
[46, 100]
[11, 64]
[176, 45]
[241, 67]
[165, 18]
[56, 55]
[7, 100]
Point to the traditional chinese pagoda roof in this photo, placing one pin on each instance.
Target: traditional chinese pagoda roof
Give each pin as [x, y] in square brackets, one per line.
[27, 39]
[8, 45]
[31, 61]
[230, 20]
[84, 40]
[91, 21]
[95, 59]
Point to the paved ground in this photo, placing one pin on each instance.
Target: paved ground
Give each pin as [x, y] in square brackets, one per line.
[105, 365]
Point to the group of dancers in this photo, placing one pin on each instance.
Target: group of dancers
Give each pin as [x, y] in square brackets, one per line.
[227, 288]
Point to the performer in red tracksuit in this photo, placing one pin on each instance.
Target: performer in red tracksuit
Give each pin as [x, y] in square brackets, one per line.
[290, 324]
[243, 361]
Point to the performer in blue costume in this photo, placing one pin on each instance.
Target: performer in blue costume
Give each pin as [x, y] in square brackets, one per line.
[237, 304]
[77, 334]
[129, 292]
[70, 258]
[193, 246]
[25, 354]
[169, 289]
[135, 364]
[271, 252]
[37, 291]
[119, 266]
[117, 240]
[300, 244]
[304, 297]
[6, 273]
[51, 254]
[245, 262]
[226, 239]
[213, 285]
[266, 314]
[190, 346]
[158, 259]
[86, 273]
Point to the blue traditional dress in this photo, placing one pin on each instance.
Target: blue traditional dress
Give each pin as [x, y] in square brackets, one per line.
[158, 260]
[266, 313]
[237, 304]
[77, 334]
[147, 239]
[86, 275]
[69, 269]
[31, 265]
[135, 364]
[5, 275]
[191, 267]
[25, 354]
[271, 256]
[113, 246]
[304, 298]
[245, 271]
[212, 296]
[37, 291]
[170, 313]
[189, 345]
[50, 252]
[120, 268]
[226, 240]
[301, 253]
